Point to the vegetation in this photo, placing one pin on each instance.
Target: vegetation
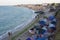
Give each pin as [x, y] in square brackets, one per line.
[58, 27]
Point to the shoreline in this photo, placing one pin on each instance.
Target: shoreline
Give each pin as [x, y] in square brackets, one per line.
[27, 27]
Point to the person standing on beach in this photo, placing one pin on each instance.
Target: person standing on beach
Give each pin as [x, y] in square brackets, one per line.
[9, 36]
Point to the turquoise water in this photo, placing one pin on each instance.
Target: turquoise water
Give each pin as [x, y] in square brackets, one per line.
[11, 17]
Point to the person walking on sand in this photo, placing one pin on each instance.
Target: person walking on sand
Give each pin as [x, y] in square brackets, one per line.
[9, 35]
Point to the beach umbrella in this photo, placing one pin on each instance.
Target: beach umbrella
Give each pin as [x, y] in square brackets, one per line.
[51, 25]
[28, 39]
[44, 28]
[41, 38]
[53, 28]
[51, 17]
[42, 22]
[54, 21]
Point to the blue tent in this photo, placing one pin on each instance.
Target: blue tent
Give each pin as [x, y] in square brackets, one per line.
[42, 31]
[28, 39]
[42, 23]
[42, 38]
[51, 17]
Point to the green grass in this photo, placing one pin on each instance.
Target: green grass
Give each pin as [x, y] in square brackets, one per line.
[13, 38]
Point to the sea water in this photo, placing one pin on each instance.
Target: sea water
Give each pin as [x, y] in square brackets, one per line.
[11, 17]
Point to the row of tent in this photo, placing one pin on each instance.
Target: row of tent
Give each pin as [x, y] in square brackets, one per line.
[45, 30]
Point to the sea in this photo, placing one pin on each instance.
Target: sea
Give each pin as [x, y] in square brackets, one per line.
[12, 16]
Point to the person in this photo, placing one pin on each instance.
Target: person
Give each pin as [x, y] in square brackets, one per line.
[32, 31]
[37, 28]
[10, 35]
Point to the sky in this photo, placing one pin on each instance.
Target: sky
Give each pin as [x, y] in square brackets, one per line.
[15, 2]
